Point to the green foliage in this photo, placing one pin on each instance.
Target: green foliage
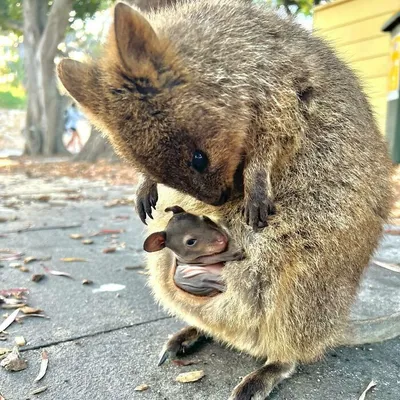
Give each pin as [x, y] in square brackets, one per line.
[11, 12]
[12, 97]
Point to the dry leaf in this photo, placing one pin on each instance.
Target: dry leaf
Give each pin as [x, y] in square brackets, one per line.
[87, 282]
[43, 366]
[20, 341]
[109, 287]
[73, 259]
[141, 387]
[4, 350]
[13, 291]
[110, 250]
[39, 390]
[44, 198]
[9, 255]
[27, 260]
[9, 320]
[13, 362]
[31, 310]
[15, 265]
[76, 236]
[185, 363]
[87, 241]
[32, 315]
[391, 267]
[191, 376]
[37, 277]
[104, 232]
[58, 273]
[133, 267]
[369, 387]
[24, 269]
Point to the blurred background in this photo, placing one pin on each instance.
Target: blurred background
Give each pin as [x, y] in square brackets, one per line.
[36, 121]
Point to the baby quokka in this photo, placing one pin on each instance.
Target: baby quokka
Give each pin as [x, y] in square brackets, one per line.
[200, 246]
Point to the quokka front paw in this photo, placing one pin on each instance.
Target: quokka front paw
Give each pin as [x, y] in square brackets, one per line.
[146, 199]
[257, 208]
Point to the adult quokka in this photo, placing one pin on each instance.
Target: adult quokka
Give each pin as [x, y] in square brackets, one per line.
[238, 109]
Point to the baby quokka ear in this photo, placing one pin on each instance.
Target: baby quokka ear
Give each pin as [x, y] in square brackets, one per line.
[175, 210]
[155, 242]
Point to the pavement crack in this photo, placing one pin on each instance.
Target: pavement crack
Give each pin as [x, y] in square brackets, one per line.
[94, 334]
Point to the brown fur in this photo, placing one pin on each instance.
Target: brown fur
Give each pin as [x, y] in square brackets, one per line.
[231, 78]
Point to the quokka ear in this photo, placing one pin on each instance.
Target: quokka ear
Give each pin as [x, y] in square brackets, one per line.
[155, 242]
[175, 210]
[76, 78]
[136, 40]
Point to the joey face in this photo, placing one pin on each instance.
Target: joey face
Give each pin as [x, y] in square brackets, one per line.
[190, 237]
[158, 114]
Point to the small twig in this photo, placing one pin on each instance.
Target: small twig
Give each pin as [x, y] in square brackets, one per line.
[42, 228]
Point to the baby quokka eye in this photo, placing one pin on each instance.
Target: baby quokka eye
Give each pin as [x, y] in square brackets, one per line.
[199, 161]
[191, 242]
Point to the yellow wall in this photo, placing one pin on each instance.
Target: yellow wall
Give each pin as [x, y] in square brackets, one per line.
[354, 28]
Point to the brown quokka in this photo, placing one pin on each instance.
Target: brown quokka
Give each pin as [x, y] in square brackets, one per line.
[202, 94]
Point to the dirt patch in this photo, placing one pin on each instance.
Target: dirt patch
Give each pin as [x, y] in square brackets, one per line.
[113, 174]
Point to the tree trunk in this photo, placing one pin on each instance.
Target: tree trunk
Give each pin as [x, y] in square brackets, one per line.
[44, 121]
[96, 148]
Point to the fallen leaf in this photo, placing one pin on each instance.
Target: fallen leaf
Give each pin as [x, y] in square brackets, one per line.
[185, 363]
[9, 255]
[4, 350]
[76, 236]
[13, 362]
[37, 277]
[20, 341]
[27, 260]
[122, 217]
[44, 198]
[110, 250]
[369, 387]
[15, 265]
[9, 320]
[109, 287]
[141, 387]
[12, 306]
[191, 376]
[23, 269]
[43, 366]
[133, 267]
[30, 310]
[87, 282]
[104, 232]
[391, 267]
[73, 259]
[87, 241]
[58, 273]
[13, 291]
[118, 202]
[39, 390]
[33, 315]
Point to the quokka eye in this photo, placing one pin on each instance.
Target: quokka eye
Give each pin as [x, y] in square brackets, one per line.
[191, 242]
[199, 161]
